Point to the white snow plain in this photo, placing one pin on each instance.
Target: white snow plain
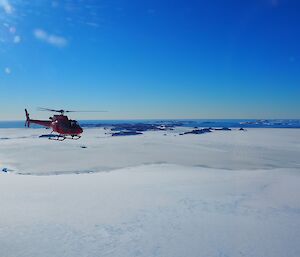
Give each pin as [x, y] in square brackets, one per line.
[225, 193]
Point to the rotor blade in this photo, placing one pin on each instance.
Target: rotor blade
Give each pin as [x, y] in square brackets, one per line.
[85, 111]
[50, 110]
[66, 111]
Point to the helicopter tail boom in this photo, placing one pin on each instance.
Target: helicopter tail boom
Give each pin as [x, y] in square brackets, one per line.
[28, 121]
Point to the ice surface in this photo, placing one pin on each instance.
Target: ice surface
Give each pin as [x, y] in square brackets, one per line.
[23, 151]
[225, 193]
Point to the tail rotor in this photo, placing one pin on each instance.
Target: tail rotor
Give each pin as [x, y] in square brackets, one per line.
[27, 122]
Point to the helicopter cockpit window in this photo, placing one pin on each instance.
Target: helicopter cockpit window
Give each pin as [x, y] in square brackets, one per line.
[74, 123]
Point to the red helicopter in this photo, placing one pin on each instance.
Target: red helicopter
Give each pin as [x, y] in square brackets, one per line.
[61, 124]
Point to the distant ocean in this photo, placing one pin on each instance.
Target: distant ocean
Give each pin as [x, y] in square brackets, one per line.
[202, 123]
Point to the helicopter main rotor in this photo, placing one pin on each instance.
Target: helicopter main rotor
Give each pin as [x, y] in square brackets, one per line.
[62, 112]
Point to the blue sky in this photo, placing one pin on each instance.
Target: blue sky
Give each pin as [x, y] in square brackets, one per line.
[151, 58]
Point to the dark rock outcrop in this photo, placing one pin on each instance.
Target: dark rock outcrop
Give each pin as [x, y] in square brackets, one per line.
[197, 131]
[226, 129]
[126, 133]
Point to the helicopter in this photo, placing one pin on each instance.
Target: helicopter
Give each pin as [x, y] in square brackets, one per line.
[59, 123]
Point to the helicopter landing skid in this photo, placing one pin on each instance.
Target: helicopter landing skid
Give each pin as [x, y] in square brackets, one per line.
[63, 137]
[73, 137]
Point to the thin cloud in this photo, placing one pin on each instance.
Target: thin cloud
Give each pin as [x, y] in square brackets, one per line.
[17, 39]
[92, 24]
[51, 39]
[7, 70]
[7, 7]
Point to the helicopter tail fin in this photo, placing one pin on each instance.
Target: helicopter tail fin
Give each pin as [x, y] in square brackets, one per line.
[27, 122]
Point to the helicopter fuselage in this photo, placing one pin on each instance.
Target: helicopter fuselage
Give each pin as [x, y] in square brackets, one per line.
[58, 123]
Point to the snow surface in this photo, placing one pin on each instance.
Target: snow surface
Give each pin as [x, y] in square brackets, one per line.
[226, 193]
[24, 152]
